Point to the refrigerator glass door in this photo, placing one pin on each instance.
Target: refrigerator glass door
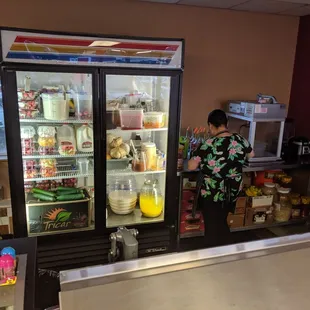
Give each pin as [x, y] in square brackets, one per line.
[56, 134]
[137, 109]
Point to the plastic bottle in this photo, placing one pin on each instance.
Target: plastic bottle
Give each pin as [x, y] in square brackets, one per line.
[7, 263]
[84, 137]
[66, 140]
[9, 251]
[70, 101]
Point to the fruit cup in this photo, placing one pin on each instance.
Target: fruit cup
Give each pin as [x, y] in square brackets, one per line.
[27, 133]
[28, 113]
[43, 185]
[48, 168]
[27, 146]
[30, 170]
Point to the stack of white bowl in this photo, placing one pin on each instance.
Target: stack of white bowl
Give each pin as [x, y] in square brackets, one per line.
[123, 201]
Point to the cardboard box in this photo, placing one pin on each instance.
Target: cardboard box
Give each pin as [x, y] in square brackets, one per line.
[189, 224]
[6, 223]
[241, 205]
[259, 215]
[235, 220]
[261, 201]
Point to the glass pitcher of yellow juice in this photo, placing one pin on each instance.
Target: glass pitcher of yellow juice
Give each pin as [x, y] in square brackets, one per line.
[151, 199]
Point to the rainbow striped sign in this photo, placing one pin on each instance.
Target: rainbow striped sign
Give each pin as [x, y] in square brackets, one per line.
[26, 47]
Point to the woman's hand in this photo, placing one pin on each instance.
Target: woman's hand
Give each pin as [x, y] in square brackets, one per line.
[193, 163]
[251, 155]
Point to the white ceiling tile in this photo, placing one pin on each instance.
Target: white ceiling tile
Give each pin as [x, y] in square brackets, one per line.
[302, 11]
[266, 6]
[223, 4]
[162, 1]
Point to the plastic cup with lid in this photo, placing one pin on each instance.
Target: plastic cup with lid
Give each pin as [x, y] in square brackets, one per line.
[83, 164]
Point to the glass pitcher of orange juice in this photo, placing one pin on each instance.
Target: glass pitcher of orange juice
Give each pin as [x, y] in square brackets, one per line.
[151, 199]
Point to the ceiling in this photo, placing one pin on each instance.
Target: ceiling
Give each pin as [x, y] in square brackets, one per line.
[281, 7]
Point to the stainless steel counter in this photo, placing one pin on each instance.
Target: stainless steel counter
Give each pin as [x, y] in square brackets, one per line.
[267, 274]
[12, 296]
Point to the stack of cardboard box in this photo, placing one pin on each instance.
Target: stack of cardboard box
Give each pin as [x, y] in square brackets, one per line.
[259, 210]
[251, 211]
[6, 222]
[237, 219]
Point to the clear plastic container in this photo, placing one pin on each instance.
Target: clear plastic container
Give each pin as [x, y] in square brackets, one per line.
[282, 214]
[27, 133]
[153, 120]
[123, 194]
[151, 157]
[66, 140]
[48, 168]
[83, 106]
[161, 161]
[70, 182]
[55, 106]
[131, 119]
[27, 113]
[28, 103]
[269, 189]
[83, 164]
[133, 98]
[151, 199]
[139, 162]
[112, 118]
[29, 167]
[46, 140]
[283, 207]
[24, 95]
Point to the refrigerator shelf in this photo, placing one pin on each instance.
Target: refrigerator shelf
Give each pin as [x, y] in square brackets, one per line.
[36, 155]
[62, 175]
[119, 130]
[70, 120]
[126, 172]
[134, 218]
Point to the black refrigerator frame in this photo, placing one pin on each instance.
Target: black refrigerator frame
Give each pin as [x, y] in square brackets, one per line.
[12, 127]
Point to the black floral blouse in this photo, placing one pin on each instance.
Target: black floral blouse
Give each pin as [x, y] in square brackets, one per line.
[222, 158]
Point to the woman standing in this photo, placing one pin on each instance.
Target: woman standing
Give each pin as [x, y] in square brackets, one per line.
[220, 159]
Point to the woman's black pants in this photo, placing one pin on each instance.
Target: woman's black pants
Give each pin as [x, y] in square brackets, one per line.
[217, 232]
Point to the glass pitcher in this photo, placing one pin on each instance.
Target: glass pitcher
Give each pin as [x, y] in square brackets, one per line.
[151, 199]
[122, 194]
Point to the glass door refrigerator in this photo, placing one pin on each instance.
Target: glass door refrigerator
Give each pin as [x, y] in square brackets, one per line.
[92, 128]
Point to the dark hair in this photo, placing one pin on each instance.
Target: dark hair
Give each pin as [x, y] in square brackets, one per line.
[218, 118]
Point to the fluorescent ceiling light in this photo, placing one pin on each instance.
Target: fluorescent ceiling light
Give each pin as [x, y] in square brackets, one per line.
[103, 43]
[144, 52]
